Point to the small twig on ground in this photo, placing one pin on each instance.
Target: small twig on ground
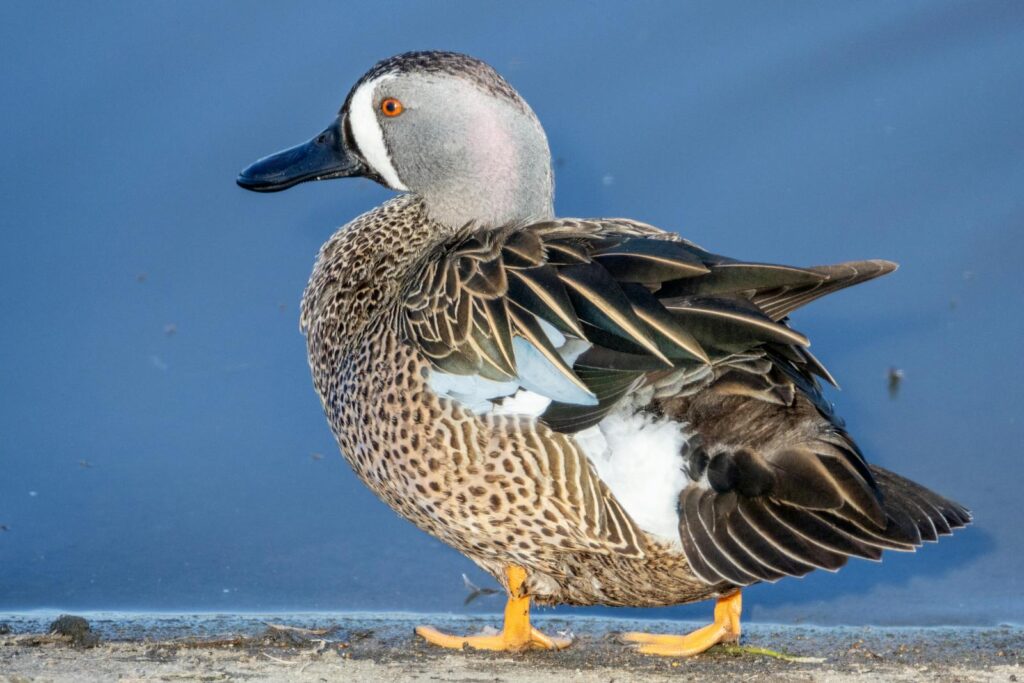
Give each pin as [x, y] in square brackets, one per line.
[36, 639]
[277, 660]
[303, 631]
[765, 652]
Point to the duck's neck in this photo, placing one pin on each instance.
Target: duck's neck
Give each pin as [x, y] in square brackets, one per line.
[490, 205]
[503, 177]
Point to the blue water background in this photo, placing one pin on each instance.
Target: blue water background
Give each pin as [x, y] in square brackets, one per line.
[160, 441]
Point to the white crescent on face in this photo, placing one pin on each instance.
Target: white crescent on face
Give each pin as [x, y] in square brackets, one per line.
[362, 115]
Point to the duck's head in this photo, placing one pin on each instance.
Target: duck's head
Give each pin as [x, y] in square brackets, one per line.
[442, 125]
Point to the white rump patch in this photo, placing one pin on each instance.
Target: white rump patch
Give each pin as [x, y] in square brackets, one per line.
[362, 114]
[639, 457]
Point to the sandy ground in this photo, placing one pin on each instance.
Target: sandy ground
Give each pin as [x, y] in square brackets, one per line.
[382, 648]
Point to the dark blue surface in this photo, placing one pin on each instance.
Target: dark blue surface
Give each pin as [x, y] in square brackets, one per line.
[157, 422]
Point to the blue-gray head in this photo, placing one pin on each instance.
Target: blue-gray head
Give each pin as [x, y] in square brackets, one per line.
[442, 125]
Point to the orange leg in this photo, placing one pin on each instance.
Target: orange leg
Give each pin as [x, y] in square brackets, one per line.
[725, 628]
[516, 635]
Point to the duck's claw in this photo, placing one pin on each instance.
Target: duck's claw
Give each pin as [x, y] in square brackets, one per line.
[725, 628]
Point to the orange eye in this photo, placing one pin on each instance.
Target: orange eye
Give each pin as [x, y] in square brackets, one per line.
[391, 107]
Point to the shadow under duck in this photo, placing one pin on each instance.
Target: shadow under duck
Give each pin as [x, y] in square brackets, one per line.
[594, 411]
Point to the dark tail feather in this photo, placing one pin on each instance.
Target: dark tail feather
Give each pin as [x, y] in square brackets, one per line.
[915, 512]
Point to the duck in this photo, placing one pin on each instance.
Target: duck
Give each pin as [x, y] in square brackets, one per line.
[594, 411]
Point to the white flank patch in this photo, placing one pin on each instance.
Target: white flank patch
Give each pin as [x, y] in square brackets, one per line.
[639, 457]
[362, 114]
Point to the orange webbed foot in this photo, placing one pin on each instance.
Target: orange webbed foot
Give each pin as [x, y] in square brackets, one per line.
[517, 634]
[724, 629]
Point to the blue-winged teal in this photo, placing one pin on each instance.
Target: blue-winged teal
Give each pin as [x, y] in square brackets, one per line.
[594, 411]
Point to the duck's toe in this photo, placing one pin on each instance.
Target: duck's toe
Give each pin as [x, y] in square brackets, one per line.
[503, 641]
[669, 645]
[546, 642]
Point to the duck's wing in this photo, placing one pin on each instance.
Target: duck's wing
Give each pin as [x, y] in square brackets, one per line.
[583, 312]
[503, 305]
